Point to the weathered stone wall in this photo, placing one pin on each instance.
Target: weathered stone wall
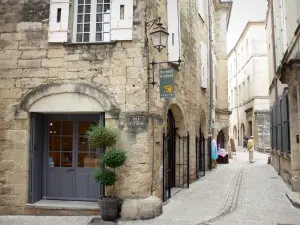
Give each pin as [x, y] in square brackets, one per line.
[27, 61]
[119, 69]
[282, 165]
[262, 129]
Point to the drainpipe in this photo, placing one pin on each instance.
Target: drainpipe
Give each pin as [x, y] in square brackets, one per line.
[274, 63]
[237, 96]
[211, 84]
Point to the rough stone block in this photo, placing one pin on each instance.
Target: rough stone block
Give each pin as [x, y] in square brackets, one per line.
[38, 72]
[28, 64]
[29, 26]
[67, 75]
[54, 63]
[34, 54]
[11, 73]
[8, 28]
[129, 209]
[8, 64]
[56, 53]
[79, 66]
[141, 208]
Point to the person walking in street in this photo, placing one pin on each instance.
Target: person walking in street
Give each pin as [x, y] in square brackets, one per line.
[214, 153]
[245, 142]
[251, 149]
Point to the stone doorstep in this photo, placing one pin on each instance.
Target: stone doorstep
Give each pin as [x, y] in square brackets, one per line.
[62, 208]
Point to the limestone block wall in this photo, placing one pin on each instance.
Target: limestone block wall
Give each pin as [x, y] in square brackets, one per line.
[28, 61]
[262, 129]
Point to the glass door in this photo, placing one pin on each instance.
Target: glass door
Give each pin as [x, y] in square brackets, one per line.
[60, 168]
[87, 160]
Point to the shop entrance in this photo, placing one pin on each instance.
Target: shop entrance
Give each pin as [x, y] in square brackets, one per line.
[62, 165]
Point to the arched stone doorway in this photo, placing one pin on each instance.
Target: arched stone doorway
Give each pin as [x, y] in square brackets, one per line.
[60, 114]
[172, 160]
[170, 157]
[221, 139]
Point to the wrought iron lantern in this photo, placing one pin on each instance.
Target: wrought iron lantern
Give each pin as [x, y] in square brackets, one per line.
[159, 35]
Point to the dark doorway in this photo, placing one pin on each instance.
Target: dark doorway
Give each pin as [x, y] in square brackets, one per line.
[63, 163]
[221, 139]
[171, 134]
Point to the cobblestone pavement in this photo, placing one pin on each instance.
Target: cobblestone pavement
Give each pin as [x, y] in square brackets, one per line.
[238, 193]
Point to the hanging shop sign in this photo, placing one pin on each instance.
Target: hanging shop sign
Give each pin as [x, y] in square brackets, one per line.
[166, 79]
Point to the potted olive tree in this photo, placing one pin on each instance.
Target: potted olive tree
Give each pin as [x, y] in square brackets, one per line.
[106, 137]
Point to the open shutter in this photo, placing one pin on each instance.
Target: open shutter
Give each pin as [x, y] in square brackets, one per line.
[274, 126]
[203, 65]
[58, 21]
[271, 127]
[279, 125]
[173, 30]
[283, 25]
[121, 20]
[202, 8]
[285, 122]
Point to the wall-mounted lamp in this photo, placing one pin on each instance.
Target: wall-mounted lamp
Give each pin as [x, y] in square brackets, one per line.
[159, 35]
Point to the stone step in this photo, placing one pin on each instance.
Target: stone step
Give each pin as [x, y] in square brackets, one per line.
[62, 208]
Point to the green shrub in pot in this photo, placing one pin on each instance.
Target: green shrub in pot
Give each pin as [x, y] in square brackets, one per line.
[106, 137]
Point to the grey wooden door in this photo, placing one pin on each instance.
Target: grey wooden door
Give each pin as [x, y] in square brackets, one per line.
[60, 163]
[71, 163]
[87, 160]
[36, 157]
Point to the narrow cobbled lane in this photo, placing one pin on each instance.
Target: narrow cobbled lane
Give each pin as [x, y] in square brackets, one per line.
[238, 193]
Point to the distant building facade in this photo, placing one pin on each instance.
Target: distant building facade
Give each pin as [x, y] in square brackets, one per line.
[248, 78]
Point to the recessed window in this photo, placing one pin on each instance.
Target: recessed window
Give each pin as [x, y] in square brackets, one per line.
[58, 18]
[92, 19]
[122, 12]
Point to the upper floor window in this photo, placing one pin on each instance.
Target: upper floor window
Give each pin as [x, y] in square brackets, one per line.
[92, 21]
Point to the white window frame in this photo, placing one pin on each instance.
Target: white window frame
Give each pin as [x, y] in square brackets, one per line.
[93, 32]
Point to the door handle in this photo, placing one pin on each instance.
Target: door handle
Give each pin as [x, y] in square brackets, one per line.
[70, 170]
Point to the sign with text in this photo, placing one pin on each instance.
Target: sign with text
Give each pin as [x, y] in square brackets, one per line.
[166, 79]
[136, 120]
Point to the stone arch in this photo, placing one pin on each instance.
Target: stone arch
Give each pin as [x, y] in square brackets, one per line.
[178, 117]
[92, 94]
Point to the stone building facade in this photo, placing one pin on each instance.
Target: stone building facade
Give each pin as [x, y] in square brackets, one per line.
[283, 32]
[90, 61]
[249, 100]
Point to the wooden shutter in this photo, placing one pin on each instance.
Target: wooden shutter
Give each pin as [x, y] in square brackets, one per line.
[283, 25]
[173, 30]
[274, 125]
[285, 122]
[121, 25]
[202, 8]
[58, 25]
[203, 65]
[271, 127]
[279, 125]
